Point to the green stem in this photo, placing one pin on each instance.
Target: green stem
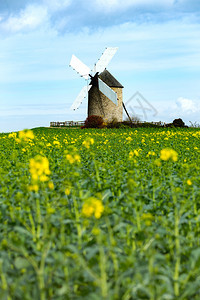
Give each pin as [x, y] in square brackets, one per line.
[104, 287]
[138, 220]
[40, 272]
[114, 258]
[33, 231]
[97, 172]
[3, 278]
[196, 217]
[77, 217]
[177, 241]
[38, 214]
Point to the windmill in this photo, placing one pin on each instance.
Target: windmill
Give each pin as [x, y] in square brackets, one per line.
[104, 91]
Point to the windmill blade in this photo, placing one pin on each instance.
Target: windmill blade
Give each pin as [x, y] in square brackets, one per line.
[105, 59]
[79, 99]
[107, 91]
[79, 67]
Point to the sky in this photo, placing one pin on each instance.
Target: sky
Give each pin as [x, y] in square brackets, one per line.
[158, 57]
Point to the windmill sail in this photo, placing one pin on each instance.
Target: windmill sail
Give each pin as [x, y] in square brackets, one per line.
[105, 59]
[81, 96]
[80, 67]
[85, 71]
[107, 91]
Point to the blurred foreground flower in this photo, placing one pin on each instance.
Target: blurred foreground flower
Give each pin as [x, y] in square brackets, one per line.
[189, 182]
[168, 154]
[92, 206]
[34, 188]
[25, 135]
[12, 135]
[72, 155]
[73, 158]
[134, 153]
[39, 168]
[129, 139]
[88, 142]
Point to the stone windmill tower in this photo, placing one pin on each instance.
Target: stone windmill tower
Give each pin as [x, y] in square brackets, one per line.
[104, 91]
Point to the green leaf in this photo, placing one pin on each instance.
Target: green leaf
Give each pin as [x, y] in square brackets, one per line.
[21, 263]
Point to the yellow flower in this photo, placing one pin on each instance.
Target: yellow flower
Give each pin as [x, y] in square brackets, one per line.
[133, 153]
[92, 206]
[34, 188]
[75, 158]
[136, 153]
[39, 168]
[44, 178]
[12, 135]
[189, 182]
[88, 142]
[51, 185]
[67, 191]
[151, 153]
[25, 135]
[56, 143]
[168, 154]
[158, 162]
[129, 139]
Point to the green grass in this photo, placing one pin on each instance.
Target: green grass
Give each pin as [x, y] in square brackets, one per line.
[145, 242]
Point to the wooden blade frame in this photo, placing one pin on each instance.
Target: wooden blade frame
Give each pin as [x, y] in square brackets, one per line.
[81, 96]
[105, 59]
[79, 67]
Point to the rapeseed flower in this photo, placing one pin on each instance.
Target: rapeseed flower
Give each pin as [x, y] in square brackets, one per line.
[168, 154]
[151, 153]
[34, 188]
[67, 191]
[12, 135]
[88, 142]
[25, 136]
[92, 206]
[129, 139]
[56, 143]
[72, 155]
[39, 168]
[189, 182]
[133, 153]
[51, 185]
[73, 158]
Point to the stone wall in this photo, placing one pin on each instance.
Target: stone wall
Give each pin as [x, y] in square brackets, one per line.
[100, 105]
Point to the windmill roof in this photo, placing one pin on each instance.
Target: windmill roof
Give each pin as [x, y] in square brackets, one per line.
[109, 79]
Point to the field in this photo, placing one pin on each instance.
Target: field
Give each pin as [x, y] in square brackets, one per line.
[100, 214]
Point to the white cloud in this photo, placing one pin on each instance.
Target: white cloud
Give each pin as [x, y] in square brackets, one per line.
[187, 105]
[186, 109]
[29, 18]
[32, 16]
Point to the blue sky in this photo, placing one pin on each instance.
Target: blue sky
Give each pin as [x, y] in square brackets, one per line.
[158, 55]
